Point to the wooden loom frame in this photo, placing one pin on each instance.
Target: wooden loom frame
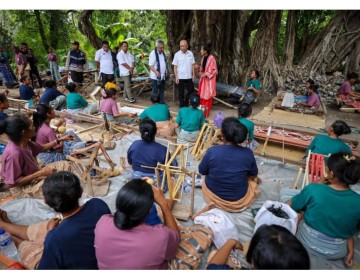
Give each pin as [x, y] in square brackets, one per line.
[208, 135]
[91, 153]
[180, 210]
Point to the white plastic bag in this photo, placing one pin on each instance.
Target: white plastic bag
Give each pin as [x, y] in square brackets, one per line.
[220, 224]
[265, 217]
[288, 100]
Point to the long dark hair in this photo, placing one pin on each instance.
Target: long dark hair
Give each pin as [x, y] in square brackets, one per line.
[41, 114]
[14, 126]
[208, 48]
[133, 204]
[340, 128]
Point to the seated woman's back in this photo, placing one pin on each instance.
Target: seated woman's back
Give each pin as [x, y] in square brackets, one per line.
[190, 119]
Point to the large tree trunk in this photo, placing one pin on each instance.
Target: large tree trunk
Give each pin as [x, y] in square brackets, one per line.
[224, 29]
[353, 60]
[264, 53]
[290, 36]
[87, 29]
[54, 37]
[41, 29]
[333, 44]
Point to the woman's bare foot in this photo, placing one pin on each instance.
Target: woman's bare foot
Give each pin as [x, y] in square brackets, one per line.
[4, 217]
[208, 207]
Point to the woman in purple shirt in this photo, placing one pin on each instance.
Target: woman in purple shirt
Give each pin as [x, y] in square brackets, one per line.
[19, 168]
[124, 241]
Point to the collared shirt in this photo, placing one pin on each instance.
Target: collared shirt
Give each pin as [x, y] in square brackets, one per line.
[153, 62]
[105, 60]
[123, 58]
[184, 63]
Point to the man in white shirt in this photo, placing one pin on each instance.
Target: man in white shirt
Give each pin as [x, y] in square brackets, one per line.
[126, 68]
[157, 63]
[104, 63]
[184, 70]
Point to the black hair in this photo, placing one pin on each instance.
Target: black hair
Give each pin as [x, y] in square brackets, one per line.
[345, 167]
[313, 87]
[110, 93]
[23, 78]
[155, 99]
[208, 48]
[194, 100]
[49, 83]
[62, 191]
[352, 75]
[311, 82]
[24, 44]
[14, 126]
[147, 129]
[105, 42]
[124, 42]
[133, 203]
[233, 131]
[340, 128]
[256, 73]
[244, 110]
[274, 247]
[3, 97]
[71, 87]
[41, 114]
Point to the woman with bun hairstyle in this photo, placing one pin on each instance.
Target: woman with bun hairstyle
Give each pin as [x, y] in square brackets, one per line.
[19, 169]
[125, 241]
[331, 144]
[207, 84]
[190, 120]
[331, 210]
[230, 170]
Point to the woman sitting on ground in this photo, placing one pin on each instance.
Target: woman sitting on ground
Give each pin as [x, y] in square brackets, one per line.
[60, 243]
[313, 100]
[331, 210]
[110, 111]
[272, 247]
[125, 241]
[231, 171]
[190, 120]
[160, 114]
[345, 91]
[4, 104]
[45, 134]
[19, 168]
[27, 92]
[244, 112]
[52, 96]
[252, 88]
[76, 103]
[331, 144]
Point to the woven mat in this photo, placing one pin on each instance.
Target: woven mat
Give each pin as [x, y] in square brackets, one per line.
[278, 116]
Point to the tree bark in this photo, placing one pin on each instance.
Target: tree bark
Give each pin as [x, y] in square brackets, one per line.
[54, 39]
[290, 36]
[264, 52]
[41, 29]
[353, 60]
[87, 29]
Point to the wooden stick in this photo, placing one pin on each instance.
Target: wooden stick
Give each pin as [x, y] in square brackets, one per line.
[283, 145]
[225, 103]
[297, 178]
[266, 141]
[90, 128]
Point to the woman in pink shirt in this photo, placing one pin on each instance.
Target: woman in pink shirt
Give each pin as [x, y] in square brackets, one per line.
[53, 64]
[124, 241]
[313, 100]
[19, 168]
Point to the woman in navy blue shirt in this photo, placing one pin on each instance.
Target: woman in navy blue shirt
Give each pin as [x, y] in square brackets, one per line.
[231, 170]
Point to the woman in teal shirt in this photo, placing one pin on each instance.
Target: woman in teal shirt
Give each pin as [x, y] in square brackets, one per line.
[76, 103]
[160, 114]
[190, 120]
[244, 112]
[331, 144]
[252, 88]
[331, 210]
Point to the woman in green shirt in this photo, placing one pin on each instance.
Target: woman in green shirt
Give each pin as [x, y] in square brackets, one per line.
[76, 103]
[160, 114]
[331, 144]
[331, 210]
[190, 120]
[252, 88]
[244, 112]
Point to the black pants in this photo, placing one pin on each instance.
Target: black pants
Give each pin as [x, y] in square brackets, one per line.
[34, 71]
[77, 77]
[188, 83]
[106, 78]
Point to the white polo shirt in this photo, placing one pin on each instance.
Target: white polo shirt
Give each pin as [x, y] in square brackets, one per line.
[124, 58]
[184, 62]
[153, 62]
[105, 60]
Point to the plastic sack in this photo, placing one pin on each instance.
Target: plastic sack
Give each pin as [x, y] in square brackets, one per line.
[220, 224]
[218, 119]
[265, 217]
[288, 100]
